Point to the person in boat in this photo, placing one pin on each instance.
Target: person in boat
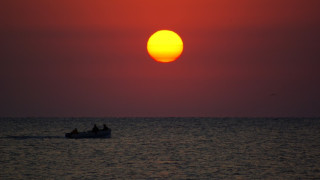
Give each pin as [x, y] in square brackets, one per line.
[95, 129]
[75, 131]
[105, 128]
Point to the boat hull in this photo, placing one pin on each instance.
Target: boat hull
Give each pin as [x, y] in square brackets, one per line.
[89, 134]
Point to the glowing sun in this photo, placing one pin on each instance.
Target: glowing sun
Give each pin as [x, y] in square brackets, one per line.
[165, 46]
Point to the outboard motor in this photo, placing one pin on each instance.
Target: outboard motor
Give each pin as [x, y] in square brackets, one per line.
[68, 135]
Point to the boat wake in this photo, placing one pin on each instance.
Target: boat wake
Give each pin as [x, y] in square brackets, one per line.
[33, 137]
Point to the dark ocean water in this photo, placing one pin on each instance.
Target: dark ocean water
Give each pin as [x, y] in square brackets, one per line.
[161, 148]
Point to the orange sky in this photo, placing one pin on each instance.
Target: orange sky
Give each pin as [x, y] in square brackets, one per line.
[89, 58]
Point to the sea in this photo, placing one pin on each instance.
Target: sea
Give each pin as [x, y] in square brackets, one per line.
[161, 148]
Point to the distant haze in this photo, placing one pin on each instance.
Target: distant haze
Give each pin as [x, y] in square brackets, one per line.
[89, 58]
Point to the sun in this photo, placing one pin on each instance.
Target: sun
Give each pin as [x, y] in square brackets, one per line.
[165, 46]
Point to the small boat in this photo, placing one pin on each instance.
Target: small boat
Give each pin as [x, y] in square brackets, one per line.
[90, 134]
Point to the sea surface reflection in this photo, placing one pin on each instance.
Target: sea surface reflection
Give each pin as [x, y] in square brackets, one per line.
[161, 148]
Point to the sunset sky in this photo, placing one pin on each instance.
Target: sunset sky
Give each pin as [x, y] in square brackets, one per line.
[89, 58]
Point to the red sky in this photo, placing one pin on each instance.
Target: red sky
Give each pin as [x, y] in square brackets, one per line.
[89, 58]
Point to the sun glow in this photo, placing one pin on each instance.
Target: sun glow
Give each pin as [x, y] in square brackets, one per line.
[165, 46]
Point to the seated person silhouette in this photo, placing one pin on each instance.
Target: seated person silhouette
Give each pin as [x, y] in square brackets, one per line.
[95, 129]
[75, 131]
[105, 128]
